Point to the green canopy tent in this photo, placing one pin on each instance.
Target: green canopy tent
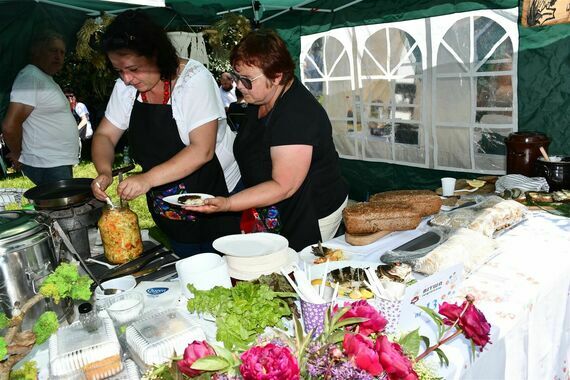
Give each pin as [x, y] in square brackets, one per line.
[543, 80]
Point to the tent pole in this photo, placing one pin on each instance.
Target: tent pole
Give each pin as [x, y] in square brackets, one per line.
[122, 10]
[299, 9]
[286, 10]
[347, 5]
[66, 6]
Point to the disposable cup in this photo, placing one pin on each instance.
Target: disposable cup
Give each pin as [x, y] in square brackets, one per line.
[204, 271]
[314, 316]
[447, 186]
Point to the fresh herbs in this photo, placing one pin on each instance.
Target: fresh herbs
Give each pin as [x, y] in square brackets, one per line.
[241, 312]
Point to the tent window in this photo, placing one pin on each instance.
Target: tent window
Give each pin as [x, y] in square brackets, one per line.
[437, 92]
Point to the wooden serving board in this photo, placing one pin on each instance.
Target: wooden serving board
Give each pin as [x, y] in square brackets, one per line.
[460, 184]
[357, 239]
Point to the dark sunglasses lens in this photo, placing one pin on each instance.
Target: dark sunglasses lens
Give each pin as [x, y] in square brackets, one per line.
[246, 83]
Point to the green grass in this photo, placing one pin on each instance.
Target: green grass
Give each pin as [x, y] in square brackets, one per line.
[86, 169]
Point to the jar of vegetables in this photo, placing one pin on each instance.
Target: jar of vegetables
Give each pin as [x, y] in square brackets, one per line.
[120, 233]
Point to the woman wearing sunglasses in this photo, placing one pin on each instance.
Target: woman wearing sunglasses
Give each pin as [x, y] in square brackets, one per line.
[285, 151]
[177, 132]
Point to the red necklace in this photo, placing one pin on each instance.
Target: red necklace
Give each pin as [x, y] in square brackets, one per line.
[166, 93]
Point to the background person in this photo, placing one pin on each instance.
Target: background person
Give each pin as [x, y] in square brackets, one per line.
[227, 90]
[285, 151]
[177, 132]
[38, 127]
[81, 115]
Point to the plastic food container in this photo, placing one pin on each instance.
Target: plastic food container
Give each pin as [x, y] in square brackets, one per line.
[76, 353]
[123, 307]
[159, 335]
[120, 234]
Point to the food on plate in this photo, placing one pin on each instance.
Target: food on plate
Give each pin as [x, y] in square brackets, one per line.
[397, 272]
[325, 254]
[466, 246]
[476, 183]
[191, 200]
[488, 178]
[513, 193]
[424, 202]
[561, 196]
[120, 234]
[498, 217]
[364, 239]
[371, 217]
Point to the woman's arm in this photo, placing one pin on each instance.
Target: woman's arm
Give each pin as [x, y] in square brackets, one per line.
[200, 151]
[103, 154]
[290, 167]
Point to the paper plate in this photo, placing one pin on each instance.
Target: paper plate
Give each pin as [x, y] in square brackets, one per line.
[307, 255]
[173, 199]
[249, 276]
[251, 245]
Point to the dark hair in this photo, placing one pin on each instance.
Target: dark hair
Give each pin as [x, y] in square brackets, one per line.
[135, 31]
[266, 50]
[238, 93]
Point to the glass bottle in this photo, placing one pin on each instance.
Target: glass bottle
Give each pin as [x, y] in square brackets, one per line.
[88, 317]
[120, 233]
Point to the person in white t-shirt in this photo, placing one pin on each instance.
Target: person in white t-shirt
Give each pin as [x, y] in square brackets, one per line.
[81, 115]
[227, 90]
[177, 133]
[38, 127]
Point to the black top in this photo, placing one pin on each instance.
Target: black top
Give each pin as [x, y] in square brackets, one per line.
[297, 119]
[154, 139]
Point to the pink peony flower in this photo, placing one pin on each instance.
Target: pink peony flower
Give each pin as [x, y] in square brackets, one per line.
[269, 362]
[397, 365]
[362, 309]
[193, 352]
[360, 350]
[472, 322]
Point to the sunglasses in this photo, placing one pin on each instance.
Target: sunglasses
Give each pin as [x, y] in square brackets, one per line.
[247, 83]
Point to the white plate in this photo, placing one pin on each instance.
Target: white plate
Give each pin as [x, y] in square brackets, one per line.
[251, 245]
[173, 199]
[249, 276]
[307, 255]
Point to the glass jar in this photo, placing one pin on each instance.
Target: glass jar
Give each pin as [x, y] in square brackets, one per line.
[88, 317]
[120, 233]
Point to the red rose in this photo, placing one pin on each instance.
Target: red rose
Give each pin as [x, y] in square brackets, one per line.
[362, 309]
[360, 350]
[472, 322]
[270, 362]
[395, 363]
[193, 352]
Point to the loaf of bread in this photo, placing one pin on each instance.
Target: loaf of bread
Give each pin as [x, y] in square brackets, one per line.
[424, 202]
[367, 218]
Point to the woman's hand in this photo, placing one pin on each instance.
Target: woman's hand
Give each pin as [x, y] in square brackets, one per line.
[100, 184]
[133, 186]
[212, 205]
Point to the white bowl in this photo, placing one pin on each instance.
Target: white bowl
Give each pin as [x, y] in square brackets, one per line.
[124, 283]
[123, 307]
[204, 271]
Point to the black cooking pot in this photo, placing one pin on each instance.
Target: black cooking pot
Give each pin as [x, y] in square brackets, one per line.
[60, 194]
[556, 171]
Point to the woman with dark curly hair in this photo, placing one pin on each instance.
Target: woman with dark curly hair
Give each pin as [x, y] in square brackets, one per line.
[177, 132]
[285, 149]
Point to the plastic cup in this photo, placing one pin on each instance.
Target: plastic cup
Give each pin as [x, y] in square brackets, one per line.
[204, 271]
[447, 186]
[314, 316]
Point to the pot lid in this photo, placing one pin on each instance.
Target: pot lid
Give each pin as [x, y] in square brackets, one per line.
[528, 137]
[16, 222]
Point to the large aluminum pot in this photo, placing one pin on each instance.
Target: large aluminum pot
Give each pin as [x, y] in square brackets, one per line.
[27, 256]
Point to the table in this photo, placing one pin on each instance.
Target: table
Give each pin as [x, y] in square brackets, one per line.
[524, 292]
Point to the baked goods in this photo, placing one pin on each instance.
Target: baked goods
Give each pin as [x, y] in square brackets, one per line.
[364, 239]
[102, 369]
[370, 217]
[465, 246]
[191, 200]
[498, 217]
[424, 202]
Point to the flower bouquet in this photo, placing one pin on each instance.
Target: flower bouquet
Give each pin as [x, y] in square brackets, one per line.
[353, 345]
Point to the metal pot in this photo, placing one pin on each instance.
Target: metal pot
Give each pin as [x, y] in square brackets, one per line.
[27, 256]
[556, 171]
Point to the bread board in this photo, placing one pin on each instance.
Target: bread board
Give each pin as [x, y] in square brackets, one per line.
[364, 239]
[461, 184]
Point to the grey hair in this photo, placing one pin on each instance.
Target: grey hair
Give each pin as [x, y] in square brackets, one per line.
[42, 38]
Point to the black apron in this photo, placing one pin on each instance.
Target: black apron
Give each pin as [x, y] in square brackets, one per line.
[154, 139]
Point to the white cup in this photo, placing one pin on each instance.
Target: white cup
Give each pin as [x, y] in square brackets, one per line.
[447, 186]
[204, 271]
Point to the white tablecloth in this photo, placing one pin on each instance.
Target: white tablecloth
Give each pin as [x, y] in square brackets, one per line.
[524, 293]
